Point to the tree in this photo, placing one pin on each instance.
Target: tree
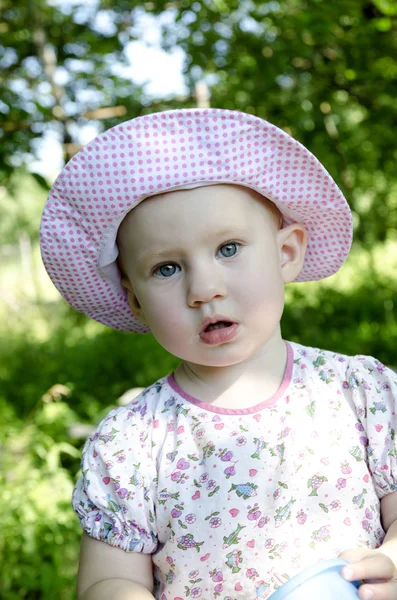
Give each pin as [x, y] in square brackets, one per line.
[59, 63]
[326, 72]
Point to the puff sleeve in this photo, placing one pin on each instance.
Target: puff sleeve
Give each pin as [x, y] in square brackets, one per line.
[373, 389]
[114, 497]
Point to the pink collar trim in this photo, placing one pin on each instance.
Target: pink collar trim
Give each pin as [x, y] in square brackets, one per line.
[268, 403]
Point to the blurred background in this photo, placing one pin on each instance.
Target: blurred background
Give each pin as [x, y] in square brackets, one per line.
[325, 72]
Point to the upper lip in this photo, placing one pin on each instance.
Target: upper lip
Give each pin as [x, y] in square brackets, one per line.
[214, 319]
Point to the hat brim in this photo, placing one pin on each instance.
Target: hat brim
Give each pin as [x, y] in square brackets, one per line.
[171, 150]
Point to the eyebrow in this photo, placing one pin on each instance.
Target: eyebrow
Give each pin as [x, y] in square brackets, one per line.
[230, 233]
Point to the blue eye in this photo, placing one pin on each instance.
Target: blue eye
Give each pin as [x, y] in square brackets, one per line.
[228, 250]
[166, 270]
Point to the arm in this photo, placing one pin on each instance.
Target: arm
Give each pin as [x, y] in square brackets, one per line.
[388, 511]
[109, 572]
[377, 567]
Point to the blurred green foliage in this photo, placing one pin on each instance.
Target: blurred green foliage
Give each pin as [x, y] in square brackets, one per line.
[325, 72]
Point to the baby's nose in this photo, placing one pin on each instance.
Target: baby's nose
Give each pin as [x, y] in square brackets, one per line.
[204, 285]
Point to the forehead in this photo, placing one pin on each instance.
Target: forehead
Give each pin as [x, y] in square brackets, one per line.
[204, 208]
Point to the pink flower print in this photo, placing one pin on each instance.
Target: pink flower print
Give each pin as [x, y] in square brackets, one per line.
[251, 573]
[226, 455]
[378, 428]
[253, 513]
[204, 478]
[106, 480]
[179, 477]
[341, 483]
[215, 522]
[207, 451]
[200, 432]
[298, 383]
[122, 493]
[335, 505]
[182, 464]
[216, 575]
[121, 458]
[301, 517]
[195, 592]
[241, 441]
[369, 514]
[366, 525]
[385, 387]
[276, 493]
[170, 560]
[218, 422]
[283, 546]
[109, 464]
[346, 468]
[211, 484]
[262, 522]
[269, 543]
[218, 588]
[171, 425]
[175, 513]
[190, 518]
[284, 433]
[230, 471]
[193, 574]
[381, 368]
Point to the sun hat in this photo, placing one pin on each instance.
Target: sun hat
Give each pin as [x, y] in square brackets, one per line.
[170, 150]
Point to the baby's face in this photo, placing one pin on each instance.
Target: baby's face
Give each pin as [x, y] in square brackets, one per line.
[193, 255]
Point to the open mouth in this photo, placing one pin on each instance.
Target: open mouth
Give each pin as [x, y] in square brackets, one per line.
[218, 325]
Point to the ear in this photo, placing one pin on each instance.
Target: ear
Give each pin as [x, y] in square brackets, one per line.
[133, 301]
[292, 242]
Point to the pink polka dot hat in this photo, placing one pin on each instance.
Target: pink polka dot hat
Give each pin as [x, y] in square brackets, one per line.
[179, 149]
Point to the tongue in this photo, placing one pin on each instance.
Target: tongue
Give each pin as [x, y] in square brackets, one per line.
[218, 325]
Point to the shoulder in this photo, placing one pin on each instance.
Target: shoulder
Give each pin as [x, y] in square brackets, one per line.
[358, 371]
[369, 376]
[318, 358]
[143, 418]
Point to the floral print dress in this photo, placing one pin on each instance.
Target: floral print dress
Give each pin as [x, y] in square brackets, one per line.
[233, 503]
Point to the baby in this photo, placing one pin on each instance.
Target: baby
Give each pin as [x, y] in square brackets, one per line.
[257, 457]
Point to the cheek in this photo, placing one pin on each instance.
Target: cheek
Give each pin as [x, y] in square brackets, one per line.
[258, 292]
[163, 315]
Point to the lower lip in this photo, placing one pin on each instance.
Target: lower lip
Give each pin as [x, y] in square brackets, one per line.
[219, 336]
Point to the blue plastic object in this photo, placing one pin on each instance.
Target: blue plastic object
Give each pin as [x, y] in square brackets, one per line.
[322, 581]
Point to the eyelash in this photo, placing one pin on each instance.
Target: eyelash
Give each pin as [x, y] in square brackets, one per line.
[158, 267]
